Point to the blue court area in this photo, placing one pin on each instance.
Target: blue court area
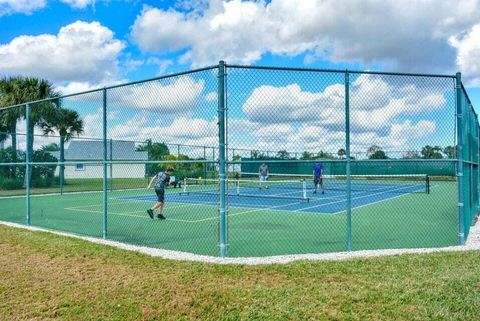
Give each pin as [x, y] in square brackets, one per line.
[294, 199]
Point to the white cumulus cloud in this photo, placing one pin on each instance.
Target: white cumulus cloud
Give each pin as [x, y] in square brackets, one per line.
[79, 4]
[178, 95]
[401, 35]
[80, 52]
[20, 6]
[468, 58]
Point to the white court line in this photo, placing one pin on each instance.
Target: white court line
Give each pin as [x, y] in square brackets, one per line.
[83, 206]
[251, 211]
[245, 212]
[190, 203]
[397, 189]
[379, 201]
[129, 214]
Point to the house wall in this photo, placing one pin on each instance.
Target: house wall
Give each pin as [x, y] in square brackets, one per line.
[96, 171]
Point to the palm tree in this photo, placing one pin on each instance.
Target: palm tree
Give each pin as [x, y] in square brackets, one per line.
[19, 90]
[67, 123]
[3, 132]
[11, 95]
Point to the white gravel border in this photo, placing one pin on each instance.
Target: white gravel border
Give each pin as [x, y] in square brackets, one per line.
[473, 243]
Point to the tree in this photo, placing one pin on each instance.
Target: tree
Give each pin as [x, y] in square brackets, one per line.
[376, 152]
[68, 124]
[432, 152]
[155, 152]
[283, 154]
[372, 150]
[450, 152]
[10, 94]
[3, 132]
[19, 90]
[324, 155]
[307, 156]
[379, 154]
[341, 153]
[52, 147]
[411, 155]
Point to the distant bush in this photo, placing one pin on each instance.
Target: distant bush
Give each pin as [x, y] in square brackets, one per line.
[10, 183]
[13, 177]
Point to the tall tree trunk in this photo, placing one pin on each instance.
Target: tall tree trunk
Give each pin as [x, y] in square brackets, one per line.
[13, 134]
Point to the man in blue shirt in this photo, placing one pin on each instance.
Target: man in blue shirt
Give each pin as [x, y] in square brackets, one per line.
[317, 177]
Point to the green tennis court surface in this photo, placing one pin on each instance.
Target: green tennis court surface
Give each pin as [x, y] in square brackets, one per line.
[260, 226]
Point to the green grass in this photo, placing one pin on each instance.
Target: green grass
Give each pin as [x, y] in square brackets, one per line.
[48, 277]
[413, 220]
[82, 185]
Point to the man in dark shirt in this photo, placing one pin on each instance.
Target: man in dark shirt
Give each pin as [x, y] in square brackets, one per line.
[163, 179]
[263, 175]
[317, 177]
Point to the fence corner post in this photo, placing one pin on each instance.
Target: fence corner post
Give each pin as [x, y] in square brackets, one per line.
[460, 164]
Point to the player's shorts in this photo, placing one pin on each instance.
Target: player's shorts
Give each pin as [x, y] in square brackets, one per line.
[318, 180]
[160, 194]
[263, 178]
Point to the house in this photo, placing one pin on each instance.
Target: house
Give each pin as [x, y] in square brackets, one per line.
[82, 151]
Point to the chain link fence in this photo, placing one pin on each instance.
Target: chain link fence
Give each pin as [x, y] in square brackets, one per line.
[267, 161]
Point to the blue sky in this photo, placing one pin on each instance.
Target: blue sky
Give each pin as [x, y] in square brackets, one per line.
[85, 44]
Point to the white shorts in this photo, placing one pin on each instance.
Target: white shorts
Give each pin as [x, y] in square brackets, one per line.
[263, 178]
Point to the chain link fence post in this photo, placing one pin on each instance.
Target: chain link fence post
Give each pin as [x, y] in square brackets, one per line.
[347, 152]
[105, 178]
[28, 160]
[460, 169]
[221, 152]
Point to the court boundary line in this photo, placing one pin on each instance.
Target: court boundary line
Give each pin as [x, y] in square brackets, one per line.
[128, 214]
[358, 197]
[376, 202]
[267, 208]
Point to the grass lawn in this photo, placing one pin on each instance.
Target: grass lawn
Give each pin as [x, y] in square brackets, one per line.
[81, 185]
[48, 277]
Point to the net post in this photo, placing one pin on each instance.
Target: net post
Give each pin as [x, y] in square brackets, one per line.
[28, 161]
[460, 155]
[185, 186]
[105, 178]
[347, 154]
[221, 152]
[205, 163]
[304, 189]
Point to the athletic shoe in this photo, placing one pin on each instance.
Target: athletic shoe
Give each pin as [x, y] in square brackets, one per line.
[150, 213]
[161, 217]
